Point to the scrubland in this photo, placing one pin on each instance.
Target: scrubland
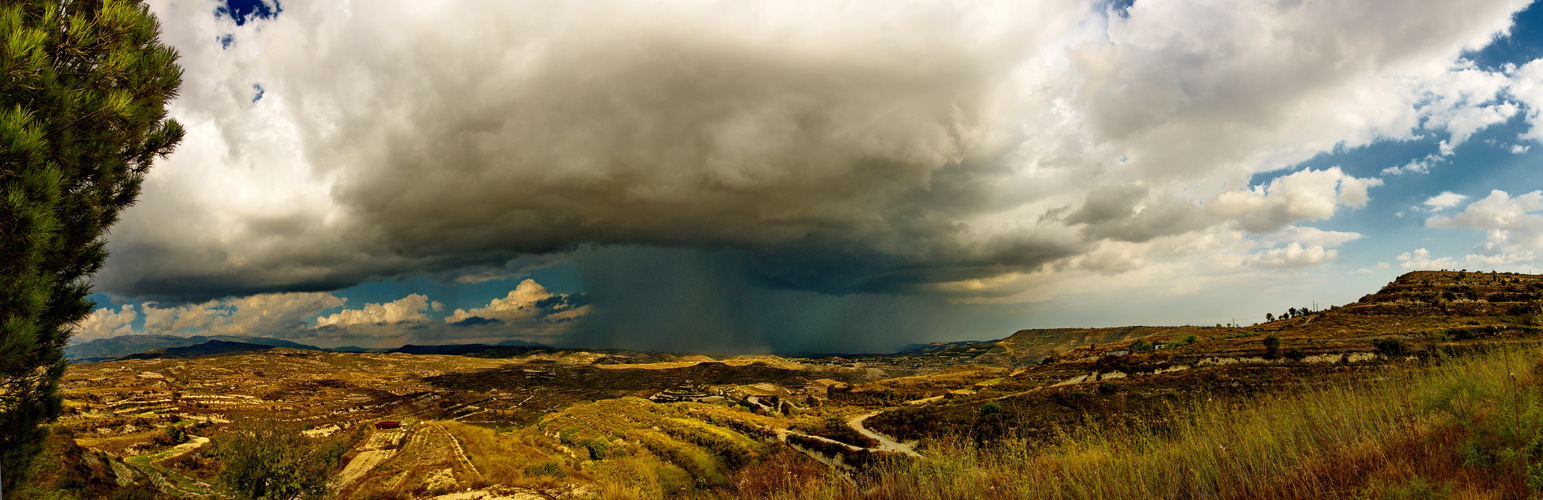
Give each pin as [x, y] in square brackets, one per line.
[1430, 388]
[1467, 427]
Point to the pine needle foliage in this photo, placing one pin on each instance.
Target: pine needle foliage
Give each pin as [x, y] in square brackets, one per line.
[83, 91]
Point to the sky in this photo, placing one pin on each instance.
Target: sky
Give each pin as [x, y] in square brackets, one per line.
[809, 177]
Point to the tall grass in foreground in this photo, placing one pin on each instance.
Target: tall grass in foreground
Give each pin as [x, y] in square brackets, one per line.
[1471, 427]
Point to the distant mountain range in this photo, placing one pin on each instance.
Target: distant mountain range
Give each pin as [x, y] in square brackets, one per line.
[1022, 348]
[124, 345]
[210, 348]
[501, 349]
[174, 346]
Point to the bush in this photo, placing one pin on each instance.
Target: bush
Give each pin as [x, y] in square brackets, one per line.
[1191, 339]
[1502, 424]
[1418, 488]
[1140, 345]
[132, 493]
[990, 408]
[271, 461]
[1391, 348]
[598, 448]
[1295, 354]
[170, 435]
[1272, 346]
[549, 468]
[569, 436]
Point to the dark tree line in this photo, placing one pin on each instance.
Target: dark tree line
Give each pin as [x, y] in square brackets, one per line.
[1290, 313]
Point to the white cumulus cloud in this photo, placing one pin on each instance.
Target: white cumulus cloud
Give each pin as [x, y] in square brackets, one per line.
[1513, 227]
[1301, 196]
[528, 300]
[1421, 259]
[1293, 255]
[1416, 166]
[1446, 199]
[105, 322]
[279, 315]
[412, 308]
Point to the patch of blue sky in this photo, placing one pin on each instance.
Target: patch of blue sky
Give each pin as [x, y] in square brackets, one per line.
[244, 11]
[1393, 221]
[1521, 45]
[1120, 7]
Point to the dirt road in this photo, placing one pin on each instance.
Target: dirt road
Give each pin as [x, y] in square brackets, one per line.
[885, 443]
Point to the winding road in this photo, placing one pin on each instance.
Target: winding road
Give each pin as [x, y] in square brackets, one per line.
[885, 443]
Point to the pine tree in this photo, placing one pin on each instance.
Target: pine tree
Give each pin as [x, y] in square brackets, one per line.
[83, 91]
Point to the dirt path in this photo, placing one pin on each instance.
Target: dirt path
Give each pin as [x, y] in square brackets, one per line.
[185, 448]
[374, 453]
[885, 443]
[460, 454]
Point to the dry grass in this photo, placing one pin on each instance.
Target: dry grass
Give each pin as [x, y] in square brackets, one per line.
[1471, 428]
[501, 457]
[627, 448]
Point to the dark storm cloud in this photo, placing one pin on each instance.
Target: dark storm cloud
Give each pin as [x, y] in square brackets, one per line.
[476, 321]
[851, 149]
[691, 300]
[673, 142]
[840, 161]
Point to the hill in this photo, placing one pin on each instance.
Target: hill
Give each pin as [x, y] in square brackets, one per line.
[476, 350]
[1424, 314]
[124, 345]
[1027, 347]
[1426, 388]
[206, 349]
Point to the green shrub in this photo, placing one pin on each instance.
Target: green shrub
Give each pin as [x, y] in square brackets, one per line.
[132, 493]
[1418, 489]
[1272, 346]
[1502, 423]
[271, 462]
[990, 408]
[549, 468]
[598, 448]
[1391, 347]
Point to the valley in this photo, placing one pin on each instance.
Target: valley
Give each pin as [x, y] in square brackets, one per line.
[537, 422]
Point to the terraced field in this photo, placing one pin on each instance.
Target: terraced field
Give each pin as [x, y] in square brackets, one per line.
[577, 424]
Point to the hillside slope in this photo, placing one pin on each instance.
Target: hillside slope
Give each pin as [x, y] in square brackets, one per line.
[124, 345]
